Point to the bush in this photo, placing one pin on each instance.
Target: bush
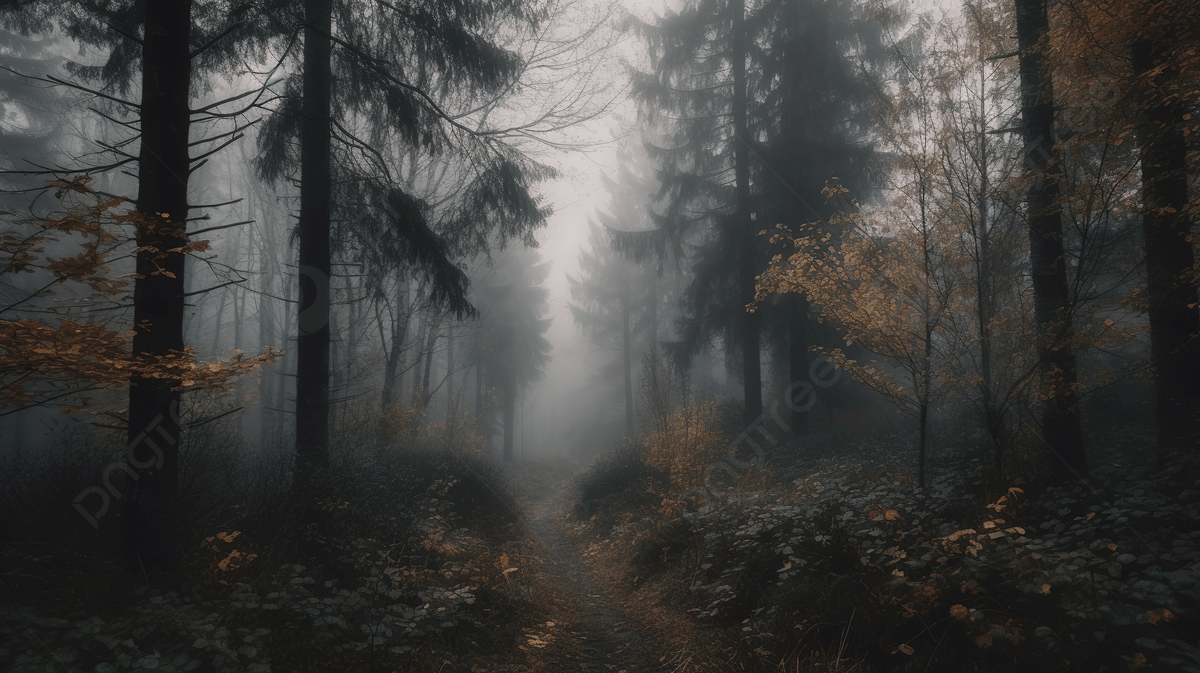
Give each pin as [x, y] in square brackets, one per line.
[684, 443]
[620, 472]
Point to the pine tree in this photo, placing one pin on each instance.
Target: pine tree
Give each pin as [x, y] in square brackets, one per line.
[699, 55]
[378, 76]
[766, 103]
[614, 303]
[513, 342]
[813, 99]
[166, 47]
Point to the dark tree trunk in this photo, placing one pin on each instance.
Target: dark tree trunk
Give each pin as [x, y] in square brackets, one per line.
[479, 402]
[653, 312]
[1060, 420]
[510, 415]
[751, 367]
[430, 341]
[926, 388]
[798, 362]
[992, 415]
[449, 374]
[217, 329]
[399, 332]
[419, 344]
[627, 354]
[1167, 226]
[312, 344]
[149, 522]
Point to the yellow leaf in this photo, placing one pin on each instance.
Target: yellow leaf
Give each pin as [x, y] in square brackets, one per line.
[906, 648]
[1159, 615]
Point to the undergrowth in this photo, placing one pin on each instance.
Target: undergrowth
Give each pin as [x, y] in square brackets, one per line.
[840, 563]
[409, 566]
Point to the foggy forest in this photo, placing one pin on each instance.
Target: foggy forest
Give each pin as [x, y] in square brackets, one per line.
[542, 336]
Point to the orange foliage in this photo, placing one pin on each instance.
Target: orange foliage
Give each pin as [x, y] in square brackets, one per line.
[41, 361]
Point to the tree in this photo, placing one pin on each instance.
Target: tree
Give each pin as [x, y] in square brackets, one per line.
[1052, 310]
[766, 102]
[816, 81]
[423, 80]
[181, 44]
[513, 342]
[976, 158]
[1132, 68]
[887, 283]
[614, 302]
[699, 55]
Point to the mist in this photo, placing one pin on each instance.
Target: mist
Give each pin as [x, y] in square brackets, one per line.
[555, 335]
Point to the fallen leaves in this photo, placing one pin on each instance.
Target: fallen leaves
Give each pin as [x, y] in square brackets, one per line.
[1160, 615]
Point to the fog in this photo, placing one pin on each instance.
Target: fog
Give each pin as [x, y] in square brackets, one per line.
[546, 335]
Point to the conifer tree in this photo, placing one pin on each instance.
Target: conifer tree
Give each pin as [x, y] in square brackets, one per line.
[168, 48]
[515, 349]
[375, 78]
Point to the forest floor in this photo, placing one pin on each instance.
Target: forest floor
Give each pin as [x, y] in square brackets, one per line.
[834, 561]
[831, 560]
[598, 633]
[605, 627]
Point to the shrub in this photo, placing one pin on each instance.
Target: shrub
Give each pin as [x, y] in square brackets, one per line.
[618, 472]
[685, 443]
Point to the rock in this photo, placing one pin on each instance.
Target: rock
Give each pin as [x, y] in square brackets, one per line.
[1126, 559]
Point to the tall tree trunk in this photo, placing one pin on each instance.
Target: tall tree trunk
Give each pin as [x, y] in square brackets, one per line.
[926, 386]
[653, 312]
[312, 347]
[149, 522]
[239, 306]
[218, 320]
[984, 312]
[627, 365]
[399, 332]
[510, 413]
[420, 346]
[752, 369]
[798, 361]
[430, 341]
[266, 333]
[1167, 226]
[479, 401]
[1060, 420]
[449, 374]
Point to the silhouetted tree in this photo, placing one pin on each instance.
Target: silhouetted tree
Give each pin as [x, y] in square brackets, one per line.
[512, 341]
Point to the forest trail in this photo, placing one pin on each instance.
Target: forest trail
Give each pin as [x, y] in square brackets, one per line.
[609, 640]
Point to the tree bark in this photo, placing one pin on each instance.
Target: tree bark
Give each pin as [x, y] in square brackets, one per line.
[312, 346]
[627, 365]
[1052, 304]
[798, 361]
[430, 341]
[1167, 226]
[479, 402]
[399, 332]
[510, 413]
[751, 366]
[449, 374]
[149, 521]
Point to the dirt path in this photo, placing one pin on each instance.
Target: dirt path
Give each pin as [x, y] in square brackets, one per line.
[609, 641]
